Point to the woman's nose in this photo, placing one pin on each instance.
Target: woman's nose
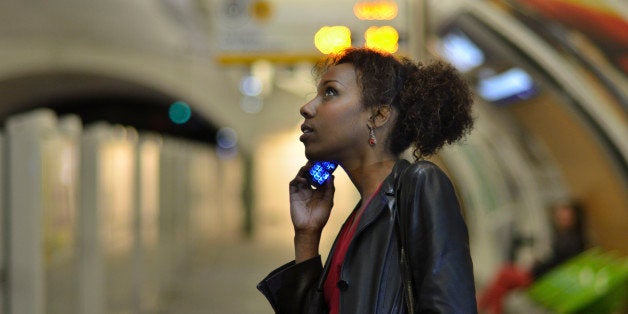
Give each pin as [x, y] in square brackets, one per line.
[308, 110]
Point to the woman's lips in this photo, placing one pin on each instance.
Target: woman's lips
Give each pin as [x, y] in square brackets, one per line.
[307, 132]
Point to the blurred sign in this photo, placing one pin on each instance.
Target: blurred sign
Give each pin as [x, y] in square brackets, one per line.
[282, 30]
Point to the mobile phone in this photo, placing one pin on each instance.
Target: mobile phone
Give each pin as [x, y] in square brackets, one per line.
[321, 171]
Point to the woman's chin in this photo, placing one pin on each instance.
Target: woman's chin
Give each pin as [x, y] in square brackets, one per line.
[310, 155]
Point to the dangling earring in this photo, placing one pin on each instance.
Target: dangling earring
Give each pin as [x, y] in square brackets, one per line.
[372, 139]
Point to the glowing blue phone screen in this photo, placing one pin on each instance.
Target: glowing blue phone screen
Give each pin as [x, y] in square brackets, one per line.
[321, 171]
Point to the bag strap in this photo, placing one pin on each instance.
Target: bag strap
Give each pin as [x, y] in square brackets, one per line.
[401, 239]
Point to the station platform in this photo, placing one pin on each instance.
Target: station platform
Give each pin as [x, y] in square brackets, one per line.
[224, 278]
[223, 275]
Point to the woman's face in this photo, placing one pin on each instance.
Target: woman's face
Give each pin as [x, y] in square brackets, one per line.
[335, 120]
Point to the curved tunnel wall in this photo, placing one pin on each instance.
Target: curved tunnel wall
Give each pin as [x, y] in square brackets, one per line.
[572, 118]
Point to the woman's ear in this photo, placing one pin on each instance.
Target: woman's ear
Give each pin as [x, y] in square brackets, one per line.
[381, 115]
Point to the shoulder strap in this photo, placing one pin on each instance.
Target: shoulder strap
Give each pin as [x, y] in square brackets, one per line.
[401, 239]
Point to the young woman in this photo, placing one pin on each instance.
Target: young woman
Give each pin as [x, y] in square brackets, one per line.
[369, 108]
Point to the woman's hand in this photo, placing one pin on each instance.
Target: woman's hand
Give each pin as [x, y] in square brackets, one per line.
[309, 209]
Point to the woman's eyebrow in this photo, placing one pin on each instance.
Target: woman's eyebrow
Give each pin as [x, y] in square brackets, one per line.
[323, 83]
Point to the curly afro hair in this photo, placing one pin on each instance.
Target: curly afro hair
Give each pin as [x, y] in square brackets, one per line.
[433, 100]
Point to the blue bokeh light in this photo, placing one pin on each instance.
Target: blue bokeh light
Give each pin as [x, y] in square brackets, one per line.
[514, 82]
[458, 49]
[226, 138]
[251, 105]
[251, 86]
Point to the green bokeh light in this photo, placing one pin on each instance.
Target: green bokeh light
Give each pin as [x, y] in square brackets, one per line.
[179, 112]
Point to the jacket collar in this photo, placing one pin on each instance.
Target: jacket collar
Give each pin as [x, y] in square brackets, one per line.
[385, 196]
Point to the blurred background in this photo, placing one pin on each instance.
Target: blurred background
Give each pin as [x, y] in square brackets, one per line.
[147, 145]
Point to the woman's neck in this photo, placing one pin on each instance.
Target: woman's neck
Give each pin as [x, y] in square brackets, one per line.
[367, 176]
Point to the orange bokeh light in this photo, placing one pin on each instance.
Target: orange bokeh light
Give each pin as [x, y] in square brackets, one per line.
[332, 39]
[375, 10]
[382, 38]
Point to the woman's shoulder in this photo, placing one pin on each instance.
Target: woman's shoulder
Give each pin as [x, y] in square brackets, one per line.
[422, 169]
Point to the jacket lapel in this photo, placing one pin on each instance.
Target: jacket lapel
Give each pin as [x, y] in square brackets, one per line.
[384, 199]
[321, 281]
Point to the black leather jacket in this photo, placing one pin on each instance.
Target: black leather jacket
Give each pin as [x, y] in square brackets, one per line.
[371, 279]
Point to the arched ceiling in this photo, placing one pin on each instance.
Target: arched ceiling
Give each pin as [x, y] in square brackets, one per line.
[98, 98]
[169, 46]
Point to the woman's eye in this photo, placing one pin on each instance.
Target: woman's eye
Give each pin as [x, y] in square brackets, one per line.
[329, 91]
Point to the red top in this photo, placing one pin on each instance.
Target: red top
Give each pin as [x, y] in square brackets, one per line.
[330, 287]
